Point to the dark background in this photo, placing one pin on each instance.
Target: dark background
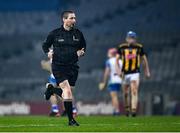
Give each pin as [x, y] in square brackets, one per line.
[24, 24]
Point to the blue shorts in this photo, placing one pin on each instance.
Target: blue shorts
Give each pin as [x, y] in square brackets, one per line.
[114, 87]
[52, 80]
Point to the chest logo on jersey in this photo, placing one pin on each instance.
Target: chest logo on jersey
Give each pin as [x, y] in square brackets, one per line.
[130, 56]
[60, 40]
[130, 53]
[75, 39]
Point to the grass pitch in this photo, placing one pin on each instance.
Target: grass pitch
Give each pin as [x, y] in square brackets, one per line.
[90, 124]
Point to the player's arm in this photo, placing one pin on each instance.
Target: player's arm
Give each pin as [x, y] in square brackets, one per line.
[117, 65]
[103, 84]
[145, 63]
[82, 48]
[46, 65]
[146, 66]
[106, 74]
[48, 43]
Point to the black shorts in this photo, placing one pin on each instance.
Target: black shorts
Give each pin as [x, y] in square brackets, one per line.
[62, 73]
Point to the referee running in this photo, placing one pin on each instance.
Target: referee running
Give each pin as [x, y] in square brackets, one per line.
[68, 45]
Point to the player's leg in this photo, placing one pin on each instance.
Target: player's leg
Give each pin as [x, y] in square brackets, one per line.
[50, 90]
[114, 88]
[54, 106]
[126, 98]
[72, 81]
[74, 110]
[50, 94]
[74, 103]
[54, 98]
[115, 102]
[134, 85]
[63, 76]
[67, 96]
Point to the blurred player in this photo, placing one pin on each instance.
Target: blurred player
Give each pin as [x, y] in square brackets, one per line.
[131, 54]
[112, 79]
[46, 65]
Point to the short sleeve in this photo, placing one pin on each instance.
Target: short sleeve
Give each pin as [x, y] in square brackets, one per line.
[107, 63]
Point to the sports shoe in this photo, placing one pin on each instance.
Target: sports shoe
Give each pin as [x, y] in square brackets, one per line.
[74, 111]
[54, 114]
[133, 114]
[49, 91]
[73, 123]
[58, 91]
[116, 113]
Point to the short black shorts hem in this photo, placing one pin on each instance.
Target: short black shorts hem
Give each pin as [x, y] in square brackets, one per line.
[62, 73]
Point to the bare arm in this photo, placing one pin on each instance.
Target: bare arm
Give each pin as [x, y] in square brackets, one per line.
[46, 65]
[102, 85]
[146, 66]
[117, 67]
[106, 75]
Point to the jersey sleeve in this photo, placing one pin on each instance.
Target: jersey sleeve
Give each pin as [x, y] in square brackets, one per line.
[82, 42]
[48, 42]
[107, 64]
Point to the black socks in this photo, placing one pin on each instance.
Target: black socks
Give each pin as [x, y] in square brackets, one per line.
[68, 108]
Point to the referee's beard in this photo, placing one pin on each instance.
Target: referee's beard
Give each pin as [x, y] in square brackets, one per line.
[71, 26]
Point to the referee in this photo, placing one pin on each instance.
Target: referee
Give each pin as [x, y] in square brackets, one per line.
[68, 45]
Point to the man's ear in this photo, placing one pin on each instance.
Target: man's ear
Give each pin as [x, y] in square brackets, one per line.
[63, 20]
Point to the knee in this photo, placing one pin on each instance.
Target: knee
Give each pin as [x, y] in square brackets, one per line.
[67, 94]
[63, 85]
[114, 97]
[134, 91]
[126, 92]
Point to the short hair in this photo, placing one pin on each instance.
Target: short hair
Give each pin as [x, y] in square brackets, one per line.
[65, 14]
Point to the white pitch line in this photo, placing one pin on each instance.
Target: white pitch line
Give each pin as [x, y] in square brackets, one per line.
[30, 125]
[59, 125]
[47, 125]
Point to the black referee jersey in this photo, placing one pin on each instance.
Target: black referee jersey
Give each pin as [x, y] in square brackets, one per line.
[65, 45]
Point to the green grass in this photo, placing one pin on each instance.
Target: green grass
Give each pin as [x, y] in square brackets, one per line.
[88, 124]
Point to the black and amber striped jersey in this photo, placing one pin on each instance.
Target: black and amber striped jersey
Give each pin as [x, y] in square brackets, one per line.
[131, 57]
